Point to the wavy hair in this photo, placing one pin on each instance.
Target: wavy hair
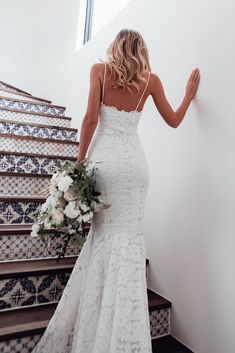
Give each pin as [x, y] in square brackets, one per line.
[127, 59]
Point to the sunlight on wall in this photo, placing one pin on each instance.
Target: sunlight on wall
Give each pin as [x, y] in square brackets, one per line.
[103, 12]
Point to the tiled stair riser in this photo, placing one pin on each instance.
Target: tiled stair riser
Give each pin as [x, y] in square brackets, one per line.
[11, 144]
[20, 185]
[31, 107]
[37, 131]
[22, 344]
[30, 290]
[29, 164]
[23, 246]
[12, 94]
[25, 290]
[33, 118]
[19, 212]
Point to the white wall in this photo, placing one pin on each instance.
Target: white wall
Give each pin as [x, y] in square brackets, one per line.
[191, 196]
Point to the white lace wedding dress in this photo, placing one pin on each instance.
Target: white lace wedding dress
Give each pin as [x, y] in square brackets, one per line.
[104, 306]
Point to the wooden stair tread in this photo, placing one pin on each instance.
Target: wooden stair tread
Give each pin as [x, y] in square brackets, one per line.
[36, 113]
[168, 344]
[157, 301]
[21, 227]
[39, 155]
[6, 121]
[15, 88]
[40, 139]
[16, 268]
[22, 321]
[24, 174]
[23, 198]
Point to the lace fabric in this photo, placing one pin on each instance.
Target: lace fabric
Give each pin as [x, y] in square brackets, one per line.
[104, 306]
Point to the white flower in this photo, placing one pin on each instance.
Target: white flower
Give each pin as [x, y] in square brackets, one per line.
[47, 223]
[68, 196]
[46, 205]
[70, 210]
[57, 215]
[54, 198]
[87, 216]
[83, 206]
[64, 183]
[35, 230]
[53, 183]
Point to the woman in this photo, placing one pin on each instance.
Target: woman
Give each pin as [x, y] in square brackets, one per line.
[104, 307]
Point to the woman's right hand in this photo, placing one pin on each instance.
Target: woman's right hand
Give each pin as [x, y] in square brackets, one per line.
[192, 84]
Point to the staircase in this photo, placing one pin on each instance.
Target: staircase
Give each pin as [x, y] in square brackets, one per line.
[35, 139]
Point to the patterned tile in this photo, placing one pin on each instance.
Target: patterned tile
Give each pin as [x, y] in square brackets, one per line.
[32, 118]
[36, 131]
[9, 144]
[29, 290]
[20, 345]
[27, 164]
[19, 247]
[31, 107]
[159, 322]
[17, 95]
[18, 212]
[20, 185]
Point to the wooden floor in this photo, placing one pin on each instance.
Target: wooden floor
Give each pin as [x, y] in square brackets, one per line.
[168, 344]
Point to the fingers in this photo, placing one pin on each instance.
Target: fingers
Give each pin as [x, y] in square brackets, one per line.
[195, 75]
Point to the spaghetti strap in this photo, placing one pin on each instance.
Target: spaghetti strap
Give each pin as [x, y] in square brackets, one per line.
[143, 91]
[103, 83]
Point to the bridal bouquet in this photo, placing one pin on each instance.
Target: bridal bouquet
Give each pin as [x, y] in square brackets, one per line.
[72, 199]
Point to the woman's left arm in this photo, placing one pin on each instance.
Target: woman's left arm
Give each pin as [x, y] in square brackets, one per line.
[91, 116]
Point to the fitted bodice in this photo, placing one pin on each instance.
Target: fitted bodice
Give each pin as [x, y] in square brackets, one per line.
[112, 118]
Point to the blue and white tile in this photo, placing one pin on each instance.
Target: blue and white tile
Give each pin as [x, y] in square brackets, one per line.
[5, 92]
[11, 144]
[19, 212]
[23, 246]
[159, 322]
[31, 107]
[22, 344]
[20, 129]
[33, 118]
[23, 185]
[29, 164]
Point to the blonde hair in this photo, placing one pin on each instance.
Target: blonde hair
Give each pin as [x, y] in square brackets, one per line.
[127, 57]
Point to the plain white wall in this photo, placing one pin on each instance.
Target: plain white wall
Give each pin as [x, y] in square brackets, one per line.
[189, 224]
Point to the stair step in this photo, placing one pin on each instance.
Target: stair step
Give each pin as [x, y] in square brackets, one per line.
[12, 143]
[34, 117]
[168, 344]
[7, 92]
[19, 268]
[33, 163]
[37, 130]
[24, 183]
[17, 244]
[23, 105]
[19, 209]
[13, 88]
[37, 267]
[31, 320]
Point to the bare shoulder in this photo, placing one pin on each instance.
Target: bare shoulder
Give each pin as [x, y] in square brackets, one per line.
[154, 80]
[97, 68]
